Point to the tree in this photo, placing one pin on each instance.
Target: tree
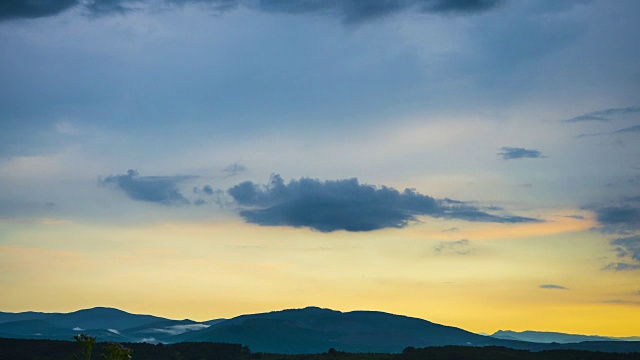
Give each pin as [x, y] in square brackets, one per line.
[115, 351]
[86, 343]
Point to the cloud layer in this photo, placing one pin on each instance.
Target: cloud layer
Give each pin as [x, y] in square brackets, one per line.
[350, 11]
[347, 205]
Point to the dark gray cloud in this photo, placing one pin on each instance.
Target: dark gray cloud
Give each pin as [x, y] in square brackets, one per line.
[30, 9]
[156, 189]
[604, 115]
[350, 11]
[208, 195]
[621, 267]
[622, 218]
[552, 286]
[347, 205]
[627, 247]
[510, 153]
[460, 247]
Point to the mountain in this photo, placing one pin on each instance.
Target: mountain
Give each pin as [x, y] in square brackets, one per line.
[553, 337]
[29, 315]
[101, 318]
[292, 331]
[314, 330]
[106, 324]
[163, 331]
[34, 329]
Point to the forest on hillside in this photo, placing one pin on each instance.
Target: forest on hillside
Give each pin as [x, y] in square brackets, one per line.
[23, 349]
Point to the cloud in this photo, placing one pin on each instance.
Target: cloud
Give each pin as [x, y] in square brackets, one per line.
[156, 189]
[627, 247]
[178, 329]
[353, 11]
[622, 218]
[627, 130]
[233, 170]
[618, 301]
[604, 115]
[17, 9]
[350, 11]
[510, 153]
[460, 247]
[552, 286]
[631, 129]
[621, 267]
[347, 205]
[210, 195]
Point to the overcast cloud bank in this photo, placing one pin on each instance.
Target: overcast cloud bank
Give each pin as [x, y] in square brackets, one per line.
[350, 11]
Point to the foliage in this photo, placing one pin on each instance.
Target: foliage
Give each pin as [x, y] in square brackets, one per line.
[22, 349]
[86, 343]
[115, 351]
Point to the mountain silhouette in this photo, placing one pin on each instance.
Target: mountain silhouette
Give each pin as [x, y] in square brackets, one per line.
[313, 330]
[292, 331]
[101, 318]
[553, 337]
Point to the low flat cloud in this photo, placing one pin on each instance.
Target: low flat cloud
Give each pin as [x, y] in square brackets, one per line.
[460, 247]
[552, 286]
[348, 205]
[604, 115]
[511, 153]
[155, 189]
[621, 267]
[350, 11]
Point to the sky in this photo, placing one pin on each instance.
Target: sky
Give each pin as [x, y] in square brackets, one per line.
[475, 163]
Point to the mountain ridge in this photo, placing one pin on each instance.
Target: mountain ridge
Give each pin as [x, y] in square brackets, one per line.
[289, 331]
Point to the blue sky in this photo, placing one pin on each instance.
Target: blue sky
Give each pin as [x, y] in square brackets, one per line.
[470, 132]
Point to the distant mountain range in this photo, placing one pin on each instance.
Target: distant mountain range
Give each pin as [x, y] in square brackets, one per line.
[293, 331]
[555, 337]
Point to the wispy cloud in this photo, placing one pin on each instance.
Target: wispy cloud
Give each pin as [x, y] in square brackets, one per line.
[552, 286]
[627, 247]
[510, 153]
[233, 170]
[627, 130]
[178, 329]
[350, 11]
[604, 115]
[156, 189]
[460, 247]
[347, 205]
